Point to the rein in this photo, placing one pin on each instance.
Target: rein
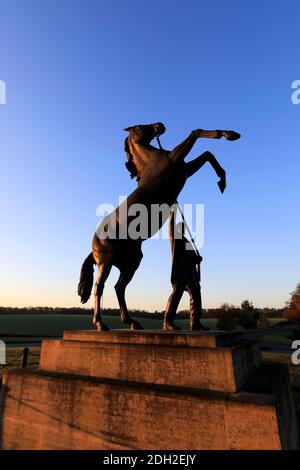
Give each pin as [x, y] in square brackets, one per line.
[159, 144]
[188, 229]
[191, 237]
[181, 213]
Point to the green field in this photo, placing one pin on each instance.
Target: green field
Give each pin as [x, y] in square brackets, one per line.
[18, 327]
[294, 371]
[30, 327]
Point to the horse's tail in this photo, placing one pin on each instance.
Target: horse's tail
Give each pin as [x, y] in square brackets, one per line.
[86, 278]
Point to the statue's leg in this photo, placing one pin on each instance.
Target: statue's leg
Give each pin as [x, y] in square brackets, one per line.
[103, 272]
[172, 305]
[195, 306]
[126, 274]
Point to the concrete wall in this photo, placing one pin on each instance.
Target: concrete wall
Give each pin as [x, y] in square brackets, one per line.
[51, 411]
[148, 390]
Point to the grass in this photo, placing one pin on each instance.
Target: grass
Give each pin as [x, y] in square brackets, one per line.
[293, 370]
[14, 358]
[283, 338]
[27, 328]
[30, 327]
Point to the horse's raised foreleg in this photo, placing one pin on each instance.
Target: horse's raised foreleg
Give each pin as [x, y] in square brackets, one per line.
[123, 281]
[228, 135]
[181, 151]
[103, 273]
[195, 165]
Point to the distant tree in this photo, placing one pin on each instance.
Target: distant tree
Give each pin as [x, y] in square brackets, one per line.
[263, 318]
[249, 315]
[247, 306]
[292, 311]
[226, 316]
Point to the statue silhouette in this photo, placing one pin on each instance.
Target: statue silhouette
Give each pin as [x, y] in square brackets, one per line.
[161, 175]
[185, 276]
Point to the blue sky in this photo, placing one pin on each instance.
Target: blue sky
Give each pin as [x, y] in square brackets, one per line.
[78, 72]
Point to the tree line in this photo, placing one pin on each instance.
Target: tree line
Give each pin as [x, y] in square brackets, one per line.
[248, 317]
[226, 314]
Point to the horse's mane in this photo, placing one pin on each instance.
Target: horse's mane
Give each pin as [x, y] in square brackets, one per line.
[130, 165]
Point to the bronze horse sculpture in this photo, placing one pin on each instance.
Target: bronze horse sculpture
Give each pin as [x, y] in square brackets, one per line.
[161, 175]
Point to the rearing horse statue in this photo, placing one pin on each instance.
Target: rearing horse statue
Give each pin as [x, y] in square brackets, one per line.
[161, 175]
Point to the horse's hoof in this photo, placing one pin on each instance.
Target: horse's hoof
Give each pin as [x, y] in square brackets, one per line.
[100, 326]
[231, 135]
[168, 326]
[135, 325]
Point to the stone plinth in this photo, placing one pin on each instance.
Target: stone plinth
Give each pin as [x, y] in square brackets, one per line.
[148, 390]
[211, 361]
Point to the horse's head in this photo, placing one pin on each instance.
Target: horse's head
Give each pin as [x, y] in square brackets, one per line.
[145, 132]
[142, 133]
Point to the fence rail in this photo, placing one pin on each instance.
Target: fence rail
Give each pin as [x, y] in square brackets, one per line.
[22, 357]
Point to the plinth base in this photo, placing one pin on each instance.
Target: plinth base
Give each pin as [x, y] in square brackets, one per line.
[50, 409]
[211, 361]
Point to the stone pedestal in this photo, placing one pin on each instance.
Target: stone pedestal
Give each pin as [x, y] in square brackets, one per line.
[210, 361]
[149, 390]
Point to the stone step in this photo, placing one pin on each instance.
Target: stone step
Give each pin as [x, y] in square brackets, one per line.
[201, 360]
[211, 339]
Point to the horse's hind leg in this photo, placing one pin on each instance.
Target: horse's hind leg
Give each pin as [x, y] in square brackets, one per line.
[123, 281]
[103, 272]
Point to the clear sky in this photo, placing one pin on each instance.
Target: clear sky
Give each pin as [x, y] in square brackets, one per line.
[78, 71]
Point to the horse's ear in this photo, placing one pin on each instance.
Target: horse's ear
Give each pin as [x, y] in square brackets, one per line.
[135, 133]
[127, 129]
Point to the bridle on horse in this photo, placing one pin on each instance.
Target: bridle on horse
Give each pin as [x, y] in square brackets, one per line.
[159, 144]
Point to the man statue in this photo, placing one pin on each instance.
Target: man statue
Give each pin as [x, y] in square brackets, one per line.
[185, 276]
